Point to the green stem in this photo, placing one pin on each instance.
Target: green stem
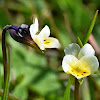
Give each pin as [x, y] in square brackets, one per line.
[10, 96]
[76, 92]
[6, 67]
[4, 54]
[6, 88]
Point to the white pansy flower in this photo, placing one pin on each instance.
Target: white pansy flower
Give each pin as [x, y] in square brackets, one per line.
[80, 62]
[42, 38]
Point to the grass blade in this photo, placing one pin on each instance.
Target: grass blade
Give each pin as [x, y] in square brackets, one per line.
[90, 28]
[67, 91]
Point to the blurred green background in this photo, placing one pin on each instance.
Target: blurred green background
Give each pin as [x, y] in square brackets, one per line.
[34, 76]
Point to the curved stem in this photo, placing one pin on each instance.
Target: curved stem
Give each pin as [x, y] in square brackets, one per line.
[4, 54]
[76, 92]
[6, 67]
[4, 50]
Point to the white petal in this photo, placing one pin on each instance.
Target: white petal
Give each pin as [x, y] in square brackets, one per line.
[45, 32]
[34, 28]
[51, 43]
[72, 49]
[87, 49]
[90, 63]
[67, 61]
[24, 26]
[39, 41]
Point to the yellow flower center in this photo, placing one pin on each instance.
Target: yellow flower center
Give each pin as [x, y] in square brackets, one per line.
[79, 69]
[46, 41]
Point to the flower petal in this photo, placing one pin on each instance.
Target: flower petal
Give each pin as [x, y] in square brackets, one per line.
[51, 43]
[45, 32]
[34, 28]
[87, 49]
[68, 60]
[39, 41]
[72, 49]
[24, 26]
[89, 63]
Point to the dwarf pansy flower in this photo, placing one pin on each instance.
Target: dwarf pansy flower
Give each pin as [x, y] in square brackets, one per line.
[42, 38]
[80, 62]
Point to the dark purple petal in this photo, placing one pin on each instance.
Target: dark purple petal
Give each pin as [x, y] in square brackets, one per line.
[21, 35]
[15, 36]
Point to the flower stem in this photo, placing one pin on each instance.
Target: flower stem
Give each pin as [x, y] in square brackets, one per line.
[76, 92]
[6, 87]
[4, 54]
[6, 66]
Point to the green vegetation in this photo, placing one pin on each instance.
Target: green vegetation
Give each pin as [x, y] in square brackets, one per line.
[34, 76]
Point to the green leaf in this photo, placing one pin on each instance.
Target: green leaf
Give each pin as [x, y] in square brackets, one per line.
[67, 91]
[80, 81]
[60, 68]
[45, 82]
[72, 79]
[90, 28]
[21, 92]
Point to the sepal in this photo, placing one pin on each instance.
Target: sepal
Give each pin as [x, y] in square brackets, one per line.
[80, 81]
[60, 68]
